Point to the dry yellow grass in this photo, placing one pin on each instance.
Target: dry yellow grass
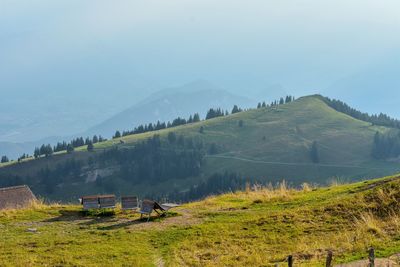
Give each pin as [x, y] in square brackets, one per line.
[259, 226]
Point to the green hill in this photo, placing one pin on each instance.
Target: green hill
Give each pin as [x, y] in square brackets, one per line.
[258, 227]
[262, 145]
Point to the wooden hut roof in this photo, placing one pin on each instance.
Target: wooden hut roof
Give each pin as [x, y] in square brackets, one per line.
[16, 197]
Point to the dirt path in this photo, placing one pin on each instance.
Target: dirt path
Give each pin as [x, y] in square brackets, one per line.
[159, 262]
[376, 184]
[291, 163]
[365, 263]
[393, 261]
[185, 218]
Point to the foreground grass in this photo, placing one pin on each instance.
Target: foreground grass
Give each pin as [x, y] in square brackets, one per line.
[258, 227]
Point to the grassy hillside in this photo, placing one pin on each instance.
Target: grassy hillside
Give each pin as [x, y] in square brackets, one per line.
[256, 227]
[272, 144]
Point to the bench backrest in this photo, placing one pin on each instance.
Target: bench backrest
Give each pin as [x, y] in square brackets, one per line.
[129, 203]
[147, 206]
[107, 202]
[90, 203]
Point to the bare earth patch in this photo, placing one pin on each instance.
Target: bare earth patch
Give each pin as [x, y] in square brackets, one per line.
[392, 261]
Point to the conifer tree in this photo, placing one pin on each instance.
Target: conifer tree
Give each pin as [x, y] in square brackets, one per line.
[236, 109]
[196, 117]
[4, 159]
[36, 152]
[70, 148]
[90, 146]
[314, 153]
[117, 134]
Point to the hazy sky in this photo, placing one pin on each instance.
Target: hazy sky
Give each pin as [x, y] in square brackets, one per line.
[306, 46]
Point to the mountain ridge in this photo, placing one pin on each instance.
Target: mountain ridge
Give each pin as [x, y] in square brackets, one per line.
[265, 144]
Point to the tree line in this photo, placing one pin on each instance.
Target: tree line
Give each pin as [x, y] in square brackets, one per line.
[152, 161]
[211, 113]
[218, 183]
[158, 126]
[281, 101]
[376, 119]
[47, 150]
[386, 145]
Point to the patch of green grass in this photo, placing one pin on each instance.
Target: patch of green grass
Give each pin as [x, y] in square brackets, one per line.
[98, 212]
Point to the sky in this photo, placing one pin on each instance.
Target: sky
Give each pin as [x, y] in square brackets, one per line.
[75, 51]
[304, 45]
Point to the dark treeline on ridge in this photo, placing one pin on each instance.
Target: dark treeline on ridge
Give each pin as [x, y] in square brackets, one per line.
[281, 101]
[158, 126]
[381, 119]
[211, 113]
[46, 150]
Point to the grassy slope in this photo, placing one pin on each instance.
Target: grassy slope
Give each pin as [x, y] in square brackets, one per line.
[252, 228]
[345, 146]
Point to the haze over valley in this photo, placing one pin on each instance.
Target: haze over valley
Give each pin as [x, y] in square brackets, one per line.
[199, 133]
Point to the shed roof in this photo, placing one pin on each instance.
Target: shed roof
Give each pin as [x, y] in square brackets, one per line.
[16, 197]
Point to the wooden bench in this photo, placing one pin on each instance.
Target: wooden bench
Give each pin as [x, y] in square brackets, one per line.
[129, 203]
[98, 202]
[107, 201]
[90, 202]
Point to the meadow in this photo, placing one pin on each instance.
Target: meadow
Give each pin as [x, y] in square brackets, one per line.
[260, 226]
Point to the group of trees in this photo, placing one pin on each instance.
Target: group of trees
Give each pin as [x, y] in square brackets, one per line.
[381, 119]
[281, 101]
[158, 126]
[215, 112]
[65, 172]
[5, 159]
[23, 156]
[152, 161]
[218, 112]
[236, 109]
[217, 183]
[156, 160]
[44, 150]
[45, 180]
[386, 145]
[77, 142]
[211, 113]
[48, 150]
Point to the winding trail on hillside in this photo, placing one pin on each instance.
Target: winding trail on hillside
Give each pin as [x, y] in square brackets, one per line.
[291, 163]
[185, 218]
